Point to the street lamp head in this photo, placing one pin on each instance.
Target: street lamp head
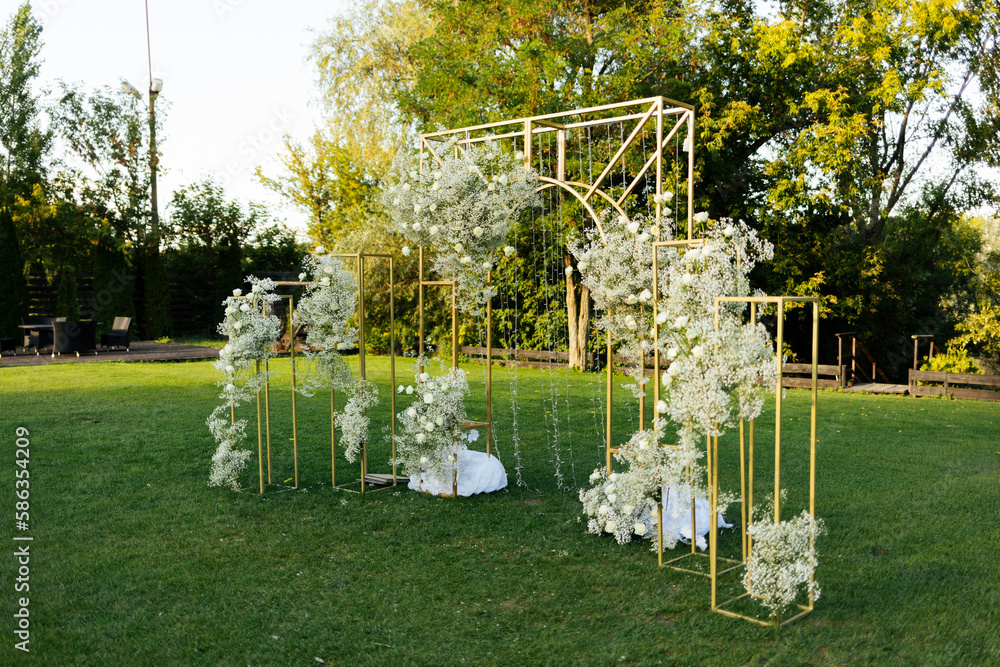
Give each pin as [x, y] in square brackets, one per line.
[131, 90]
[155, 86]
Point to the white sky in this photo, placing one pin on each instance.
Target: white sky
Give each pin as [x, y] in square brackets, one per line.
[234, 73]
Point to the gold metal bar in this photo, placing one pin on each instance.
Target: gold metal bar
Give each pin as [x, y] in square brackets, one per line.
[713, 521]
[527, 144]
[621, 151]
[362, 371]
[690, 178]
[561, 164]
[449, 283]
[780, 343]
[295, 422]
[659, 178]
[420, 298]
[392, 362]
[812, 432]
[454, 327]
[656, 325]
[609, 367]
[260, 437]
[333, 442]
[743, 490]
[267, 417]
[489, 372]
[750, 443]
[659, 532]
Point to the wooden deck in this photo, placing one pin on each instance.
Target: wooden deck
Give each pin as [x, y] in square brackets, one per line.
[139, 351]
[877, 388]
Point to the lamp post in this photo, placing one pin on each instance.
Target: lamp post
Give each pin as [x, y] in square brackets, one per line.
[155, 86]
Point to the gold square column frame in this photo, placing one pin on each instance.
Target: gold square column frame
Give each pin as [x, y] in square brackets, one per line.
[671, 119]
[747, 473]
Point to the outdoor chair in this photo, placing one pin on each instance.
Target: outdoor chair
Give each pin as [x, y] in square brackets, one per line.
[37, 338]
[119, 334]
[7, 345]
[70, 336]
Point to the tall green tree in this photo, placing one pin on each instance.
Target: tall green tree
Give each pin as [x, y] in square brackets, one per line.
[23, 147]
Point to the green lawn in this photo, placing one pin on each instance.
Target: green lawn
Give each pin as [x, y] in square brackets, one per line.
[136, 561]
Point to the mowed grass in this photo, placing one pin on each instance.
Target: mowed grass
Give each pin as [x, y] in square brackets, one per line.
[136, 561]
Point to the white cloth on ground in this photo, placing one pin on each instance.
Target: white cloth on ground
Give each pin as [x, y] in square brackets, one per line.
[677, 517]
[477, 473]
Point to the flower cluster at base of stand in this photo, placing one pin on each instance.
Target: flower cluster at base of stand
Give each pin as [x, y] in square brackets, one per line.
[328, 303]
[252, 332]
[429, 437]
[624, 503]
[782, 561]
[463, 207]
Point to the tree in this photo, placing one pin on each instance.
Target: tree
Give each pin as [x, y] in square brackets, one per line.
[23, 146]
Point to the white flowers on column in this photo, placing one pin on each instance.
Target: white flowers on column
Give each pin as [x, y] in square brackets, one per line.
[252, 335]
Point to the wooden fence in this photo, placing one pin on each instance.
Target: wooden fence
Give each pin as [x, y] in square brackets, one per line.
[969, 385]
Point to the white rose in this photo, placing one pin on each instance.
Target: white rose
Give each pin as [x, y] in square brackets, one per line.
[612, 498]
[697, 351]
[681, 322]
[503, 179]
[673, 369]
[491, 187]
[466, 259]
[238, 325]
[439, 421]
[509, 251]
[434, 229]
[487, 266]
[428, 398]
[631, 325]
[325, 281]
[687, 279]
[583, 265]
[420, 438]
[633, 227]
[666, 379]
[423, 459]
[661, 407]
[628, 509]
[230, 387]
[245, 308]
[411, 412]
[477, 231]
[701, 217]
[459, 247]
[610, 527]
[645, 295]
[693, 255]
[406, 250]
[424, 377]
[639, 529]
[237, 292]
[328, 270]
[230, 369]
[671, 353]
[302, 277]
[428, 427]
[400, 389]
[436, 186]
[569, 270]
[416, 226]
[416, 211]
[666, 196]
[433, 207]
[320, 250]
[623, 219]
[603, 510]
[661, 317]
[644, 444]
[409, 389]
[643, 237]
[728, 231]
[406, 187]
[613, 477]
[631, 299]
[610, 488]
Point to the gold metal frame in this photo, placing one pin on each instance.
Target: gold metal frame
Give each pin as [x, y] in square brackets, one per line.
[747, 481]
[360, 263]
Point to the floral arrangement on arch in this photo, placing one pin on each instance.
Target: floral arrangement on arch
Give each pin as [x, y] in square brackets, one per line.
[429, 438]
[462, 206]
[252, 332]
[716, 360]
[782, 560]
[328, 303]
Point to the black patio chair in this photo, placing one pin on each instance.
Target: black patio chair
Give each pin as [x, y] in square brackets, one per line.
[70, 336]
[38, 338]
[7, 345]
[119, 334]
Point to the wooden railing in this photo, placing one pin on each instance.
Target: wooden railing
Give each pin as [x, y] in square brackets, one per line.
[971, 385]
[865, 371]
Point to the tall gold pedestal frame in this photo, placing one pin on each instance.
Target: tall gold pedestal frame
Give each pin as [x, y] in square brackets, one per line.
[467, 424]
[361, 262]
[746, 457]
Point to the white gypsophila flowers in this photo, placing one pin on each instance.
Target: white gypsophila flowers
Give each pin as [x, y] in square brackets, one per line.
[462, 207]
[783, 561]
[252, 332]
[428, 432]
